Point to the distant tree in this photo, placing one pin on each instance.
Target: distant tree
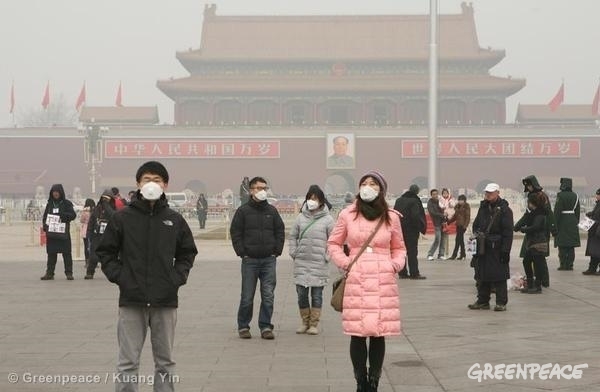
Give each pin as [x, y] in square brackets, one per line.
[58, 114]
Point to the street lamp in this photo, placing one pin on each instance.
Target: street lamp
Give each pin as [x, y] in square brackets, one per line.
[93, 137]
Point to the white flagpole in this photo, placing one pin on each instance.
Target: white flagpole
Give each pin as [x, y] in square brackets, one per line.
[433, 92]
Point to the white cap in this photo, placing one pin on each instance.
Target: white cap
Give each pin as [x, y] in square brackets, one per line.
[492, 187]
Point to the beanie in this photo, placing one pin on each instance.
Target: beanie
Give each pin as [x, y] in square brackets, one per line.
[377, 177]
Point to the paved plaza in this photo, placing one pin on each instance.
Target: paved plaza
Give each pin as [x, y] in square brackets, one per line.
[66, 328]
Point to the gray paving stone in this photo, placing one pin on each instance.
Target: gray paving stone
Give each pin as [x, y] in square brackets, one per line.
[61, 327]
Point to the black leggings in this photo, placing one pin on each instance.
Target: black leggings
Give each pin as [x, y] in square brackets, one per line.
[359, 352]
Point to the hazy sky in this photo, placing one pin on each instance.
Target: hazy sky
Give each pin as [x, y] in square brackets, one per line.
[134, 41]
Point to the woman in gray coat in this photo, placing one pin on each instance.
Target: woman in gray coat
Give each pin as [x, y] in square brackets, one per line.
[308, 249]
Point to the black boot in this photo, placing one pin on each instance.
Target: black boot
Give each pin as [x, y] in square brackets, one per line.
[362, 382]
[374, 375]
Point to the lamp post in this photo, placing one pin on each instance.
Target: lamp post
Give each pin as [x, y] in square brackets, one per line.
[93, 135]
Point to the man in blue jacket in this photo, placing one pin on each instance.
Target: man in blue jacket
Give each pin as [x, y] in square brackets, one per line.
[148, 250]
[258, 235]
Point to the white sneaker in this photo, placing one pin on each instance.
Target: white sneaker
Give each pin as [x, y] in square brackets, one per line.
[429, 258]
[442, 258]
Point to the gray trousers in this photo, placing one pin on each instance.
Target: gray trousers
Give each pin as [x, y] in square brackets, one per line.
[132, 326]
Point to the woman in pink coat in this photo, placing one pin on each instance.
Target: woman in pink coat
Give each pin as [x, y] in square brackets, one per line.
[371, 302]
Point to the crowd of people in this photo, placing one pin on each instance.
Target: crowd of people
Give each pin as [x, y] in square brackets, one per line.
[147, 249]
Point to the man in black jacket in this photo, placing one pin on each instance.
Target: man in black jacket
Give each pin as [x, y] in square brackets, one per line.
[413, 223]
[148, 250]
[258, 235]
[495, 221]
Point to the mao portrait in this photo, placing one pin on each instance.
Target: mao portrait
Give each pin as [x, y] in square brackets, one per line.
[340, 151]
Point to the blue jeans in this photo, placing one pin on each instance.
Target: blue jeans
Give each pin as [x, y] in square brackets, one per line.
[252, 271]
[439, 241]
[316, 295]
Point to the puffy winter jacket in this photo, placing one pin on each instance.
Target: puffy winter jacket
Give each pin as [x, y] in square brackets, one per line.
[257, 230]
[148, 253]
[371, 298]
[311, 267]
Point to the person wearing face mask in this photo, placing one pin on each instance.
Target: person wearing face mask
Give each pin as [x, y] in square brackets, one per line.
[308, 249]
[147, 249]
[371, 303]
[258, 236]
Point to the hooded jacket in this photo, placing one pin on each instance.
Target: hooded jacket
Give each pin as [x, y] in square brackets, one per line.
[311, 267]
[567, 214]
[58, 243]
[542, 200]
[148, 252]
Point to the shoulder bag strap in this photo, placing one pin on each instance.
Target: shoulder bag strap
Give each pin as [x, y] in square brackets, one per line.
[576, 201]
[308, 227]
[366, 243]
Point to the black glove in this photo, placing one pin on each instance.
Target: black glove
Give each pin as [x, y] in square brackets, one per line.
[504, 257]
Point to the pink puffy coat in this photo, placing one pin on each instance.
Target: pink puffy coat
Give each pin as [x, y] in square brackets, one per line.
[371, 298]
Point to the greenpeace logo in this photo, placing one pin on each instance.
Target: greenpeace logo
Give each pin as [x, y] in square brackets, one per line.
[527, 371]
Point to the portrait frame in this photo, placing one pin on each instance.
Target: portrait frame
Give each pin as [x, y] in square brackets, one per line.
[345, 161]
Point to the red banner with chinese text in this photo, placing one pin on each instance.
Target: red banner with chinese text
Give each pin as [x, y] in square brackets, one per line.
[497, 148]
[191, 148]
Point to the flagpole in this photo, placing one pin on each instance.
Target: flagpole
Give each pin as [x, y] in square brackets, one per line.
[433, 91]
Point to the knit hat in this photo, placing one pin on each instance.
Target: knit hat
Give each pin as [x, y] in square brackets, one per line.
[383, 186]
[414, 188]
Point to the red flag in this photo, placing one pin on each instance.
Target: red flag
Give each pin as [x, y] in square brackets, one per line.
[46, 99]
[558, 98]
[81, 98]
[596, 102]
[12, 98]
[118, 100]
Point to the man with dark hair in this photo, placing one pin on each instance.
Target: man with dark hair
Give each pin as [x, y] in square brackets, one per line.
[413, 224]
[148, 250]
[258, 235]
[437, 217]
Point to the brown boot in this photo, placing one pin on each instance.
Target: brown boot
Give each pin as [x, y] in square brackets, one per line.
[305, 316]
[47, 276]
[315, 316]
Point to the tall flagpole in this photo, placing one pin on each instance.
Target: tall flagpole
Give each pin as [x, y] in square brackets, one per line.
[433, 91]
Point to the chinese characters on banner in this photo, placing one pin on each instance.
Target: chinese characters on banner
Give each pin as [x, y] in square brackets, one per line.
[191, 148]
[498, 148]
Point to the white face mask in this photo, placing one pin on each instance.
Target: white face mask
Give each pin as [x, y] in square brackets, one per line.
[261, 195]
[151, 191]
[312, 204]
[368, 194]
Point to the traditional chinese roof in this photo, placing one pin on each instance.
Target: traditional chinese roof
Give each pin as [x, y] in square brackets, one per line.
[140, 115]
[564, 114]
[336, 38]
[310, 84]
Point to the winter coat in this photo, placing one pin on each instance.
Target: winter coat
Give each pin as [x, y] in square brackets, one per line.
[435, 212]
[59, 243]
[462, 215]
[371, 298]
[544, 200]
[257, 230]
[99, 219]
[311, 266]
[148, 252]
[566, 215]
[413, 219]
[498, 239]
[533, 224]
[592, 247]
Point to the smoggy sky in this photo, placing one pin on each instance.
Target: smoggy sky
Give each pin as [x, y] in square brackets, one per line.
[68, 42]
